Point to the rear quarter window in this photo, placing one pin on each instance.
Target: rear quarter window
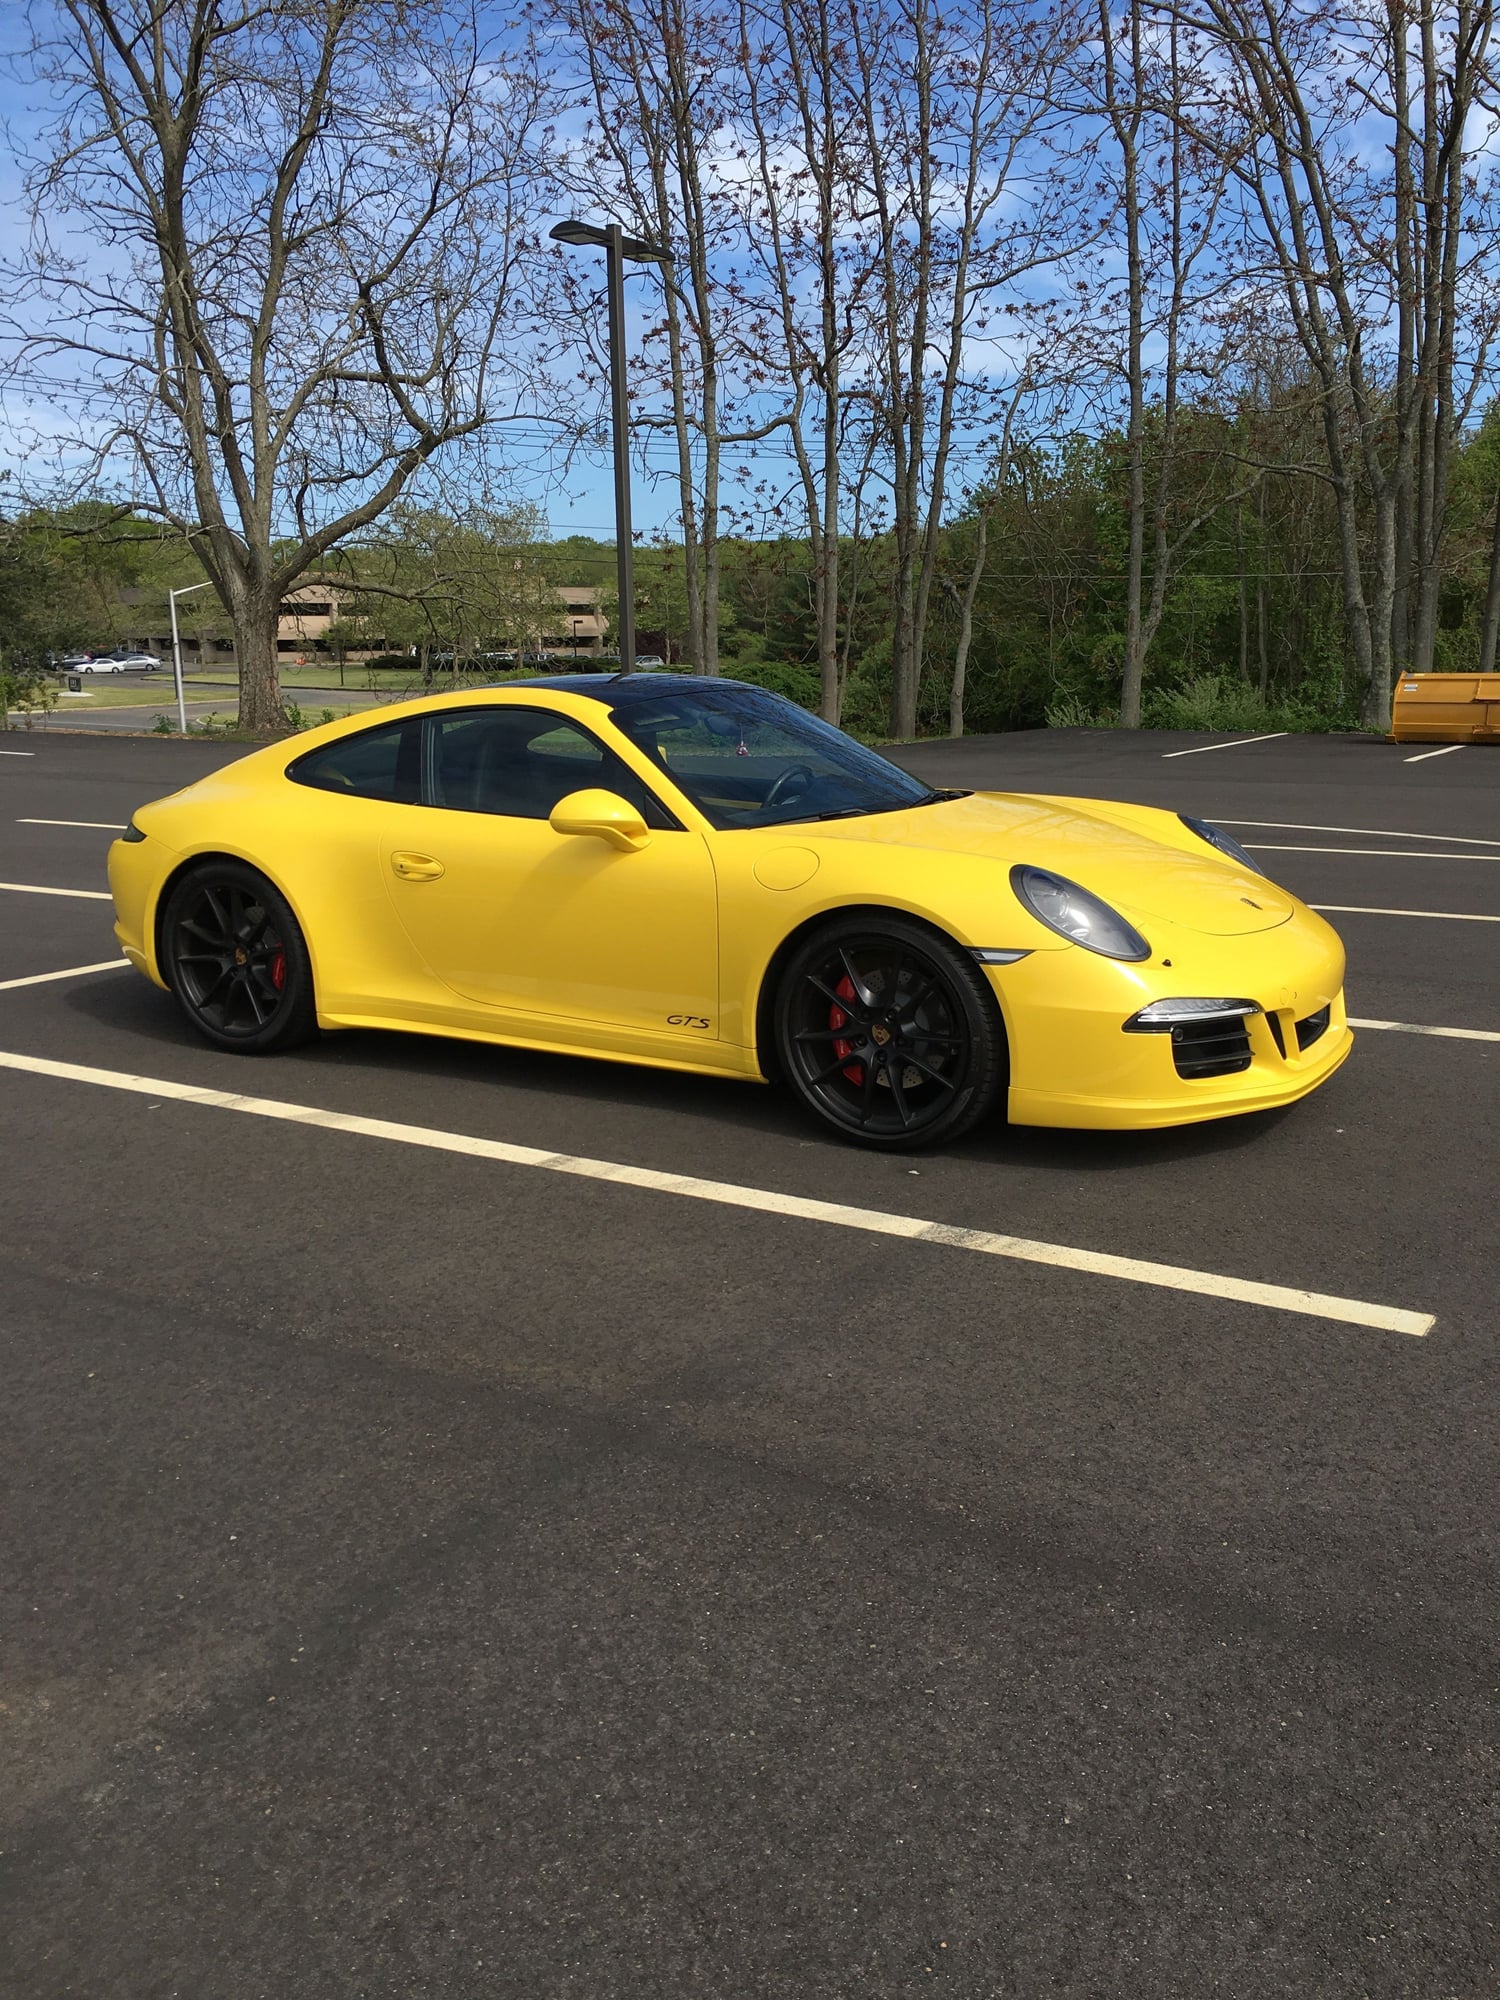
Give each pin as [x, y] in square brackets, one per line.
[384, 763]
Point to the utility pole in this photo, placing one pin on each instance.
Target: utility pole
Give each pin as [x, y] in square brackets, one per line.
[172, 597]
[617, 247]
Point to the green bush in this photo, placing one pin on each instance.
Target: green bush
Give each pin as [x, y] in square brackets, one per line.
[27, 691]
[1071, 711]
[1223, 702]
[798, 684]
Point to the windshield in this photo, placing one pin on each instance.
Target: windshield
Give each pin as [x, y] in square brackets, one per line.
[746, 757]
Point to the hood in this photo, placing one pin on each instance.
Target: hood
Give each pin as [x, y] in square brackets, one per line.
[1141, 874]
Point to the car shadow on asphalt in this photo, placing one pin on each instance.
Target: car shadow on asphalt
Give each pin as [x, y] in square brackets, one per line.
[146, 1015]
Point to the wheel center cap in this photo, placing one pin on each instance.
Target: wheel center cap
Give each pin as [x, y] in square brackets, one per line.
[241, 956]
[879, 1035]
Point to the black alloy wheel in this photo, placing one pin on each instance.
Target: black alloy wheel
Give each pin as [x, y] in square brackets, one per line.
[890, 1034]
[235, 958]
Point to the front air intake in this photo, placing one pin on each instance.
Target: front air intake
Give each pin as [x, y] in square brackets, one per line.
[1312, 1028]
[1211, 1048]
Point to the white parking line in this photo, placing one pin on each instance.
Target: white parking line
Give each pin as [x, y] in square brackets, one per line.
[17, 753]
[1449, 1034]
[104, 825]
[36, 889]
[1385, 853]
[1422, 755]
[1361, 910]
[727, 1194]
[1199, 748]
[1375, 832]
[72, 972]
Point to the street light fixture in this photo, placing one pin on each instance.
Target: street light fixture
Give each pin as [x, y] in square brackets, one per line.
[172, 597]
[617, 246]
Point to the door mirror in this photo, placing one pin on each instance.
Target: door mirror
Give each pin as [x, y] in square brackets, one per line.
[604, 814]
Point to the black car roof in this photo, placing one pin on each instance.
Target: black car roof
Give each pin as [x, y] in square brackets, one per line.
[616, 688]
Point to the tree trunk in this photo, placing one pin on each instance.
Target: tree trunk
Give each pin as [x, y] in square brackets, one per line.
[1401, 622]
[256, 616]
[1490, 630]
[1377, 619]
[959, 684]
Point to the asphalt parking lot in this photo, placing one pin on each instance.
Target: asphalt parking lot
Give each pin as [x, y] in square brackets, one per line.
[428, 1575]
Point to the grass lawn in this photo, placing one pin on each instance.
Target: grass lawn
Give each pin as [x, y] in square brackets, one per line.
[356, 680]
[112, 693]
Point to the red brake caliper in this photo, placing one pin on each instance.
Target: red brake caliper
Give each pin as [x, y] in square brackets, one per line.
[836, 1019]
[278, 968]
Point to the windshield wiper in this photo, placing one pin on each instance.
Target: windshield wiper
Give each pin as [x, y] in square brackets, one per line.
[867, 812]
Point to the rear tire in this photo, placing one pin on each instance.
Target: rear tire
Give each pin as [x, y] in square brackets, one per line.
[235, 958]
[887, 1033]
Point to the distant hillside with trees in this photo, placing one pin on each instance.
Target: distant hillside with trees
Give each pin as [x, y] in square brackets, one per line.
[1103, 358]
[1251, 624]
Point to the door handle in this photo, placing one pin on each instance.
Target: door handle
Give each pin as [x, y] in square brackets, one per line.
[416, 867]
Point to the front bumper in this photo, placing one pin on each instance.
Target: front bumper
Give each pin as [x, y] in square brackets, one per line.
[137, 869]
[1073, 1064]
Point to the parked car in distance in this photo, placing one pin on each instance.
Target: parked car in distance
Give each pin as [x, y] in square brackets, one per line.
[135, 663]
[103, 663]
[649, 660]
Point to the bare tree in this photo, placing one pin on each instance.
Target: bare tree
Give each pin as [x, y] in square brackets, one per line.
[958, 112]
[802, 222]
[1168, 215]
[309, 217]
[654, 82]
[1352, 133]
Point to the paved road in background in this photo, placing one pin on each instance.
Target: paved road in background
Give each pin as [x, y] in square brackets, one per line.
[426, 1576]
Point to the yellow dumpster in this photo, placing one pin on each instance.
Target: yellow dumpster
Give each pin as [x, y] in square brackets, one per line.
[1446, 708]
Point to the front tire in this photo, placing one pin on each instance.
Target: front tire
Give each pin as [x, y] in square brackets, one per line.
[235, 958]
[887, 1033]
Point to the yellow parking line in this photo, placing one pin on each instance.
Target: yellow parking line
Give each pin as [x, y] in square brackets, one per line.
[767, 1201]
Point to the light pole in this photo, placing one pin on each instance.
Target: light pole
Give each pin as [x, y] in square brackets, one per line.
[617, 246]
[172, 597]
[576, 623]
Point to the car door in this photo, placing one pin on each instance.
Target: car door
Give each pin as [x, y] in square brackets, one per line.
[327, 844]
[541, 925]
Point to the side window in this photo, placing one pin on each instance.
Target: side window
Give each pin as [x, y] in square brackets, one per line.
[521, 761]
[377, 764]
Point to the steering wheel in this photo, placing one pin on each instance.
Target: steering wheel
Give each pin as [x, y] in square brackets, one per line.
[785, 789]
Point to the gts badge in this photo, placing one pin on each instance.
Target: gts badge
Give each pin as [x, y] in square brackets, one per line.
[687, 1020]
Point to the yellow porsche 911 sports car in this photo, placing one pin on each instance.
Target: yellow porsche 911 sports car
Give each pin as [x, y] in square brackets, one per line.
[697, 874]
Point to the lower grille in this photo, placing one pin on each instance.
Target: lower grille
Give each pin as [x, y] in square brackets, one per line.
[1309, 1030]
[1214, 1047]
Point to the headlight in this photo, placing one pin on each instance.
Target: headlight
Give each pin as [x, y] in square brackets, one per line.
[1076, 915]
[1226, 843]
